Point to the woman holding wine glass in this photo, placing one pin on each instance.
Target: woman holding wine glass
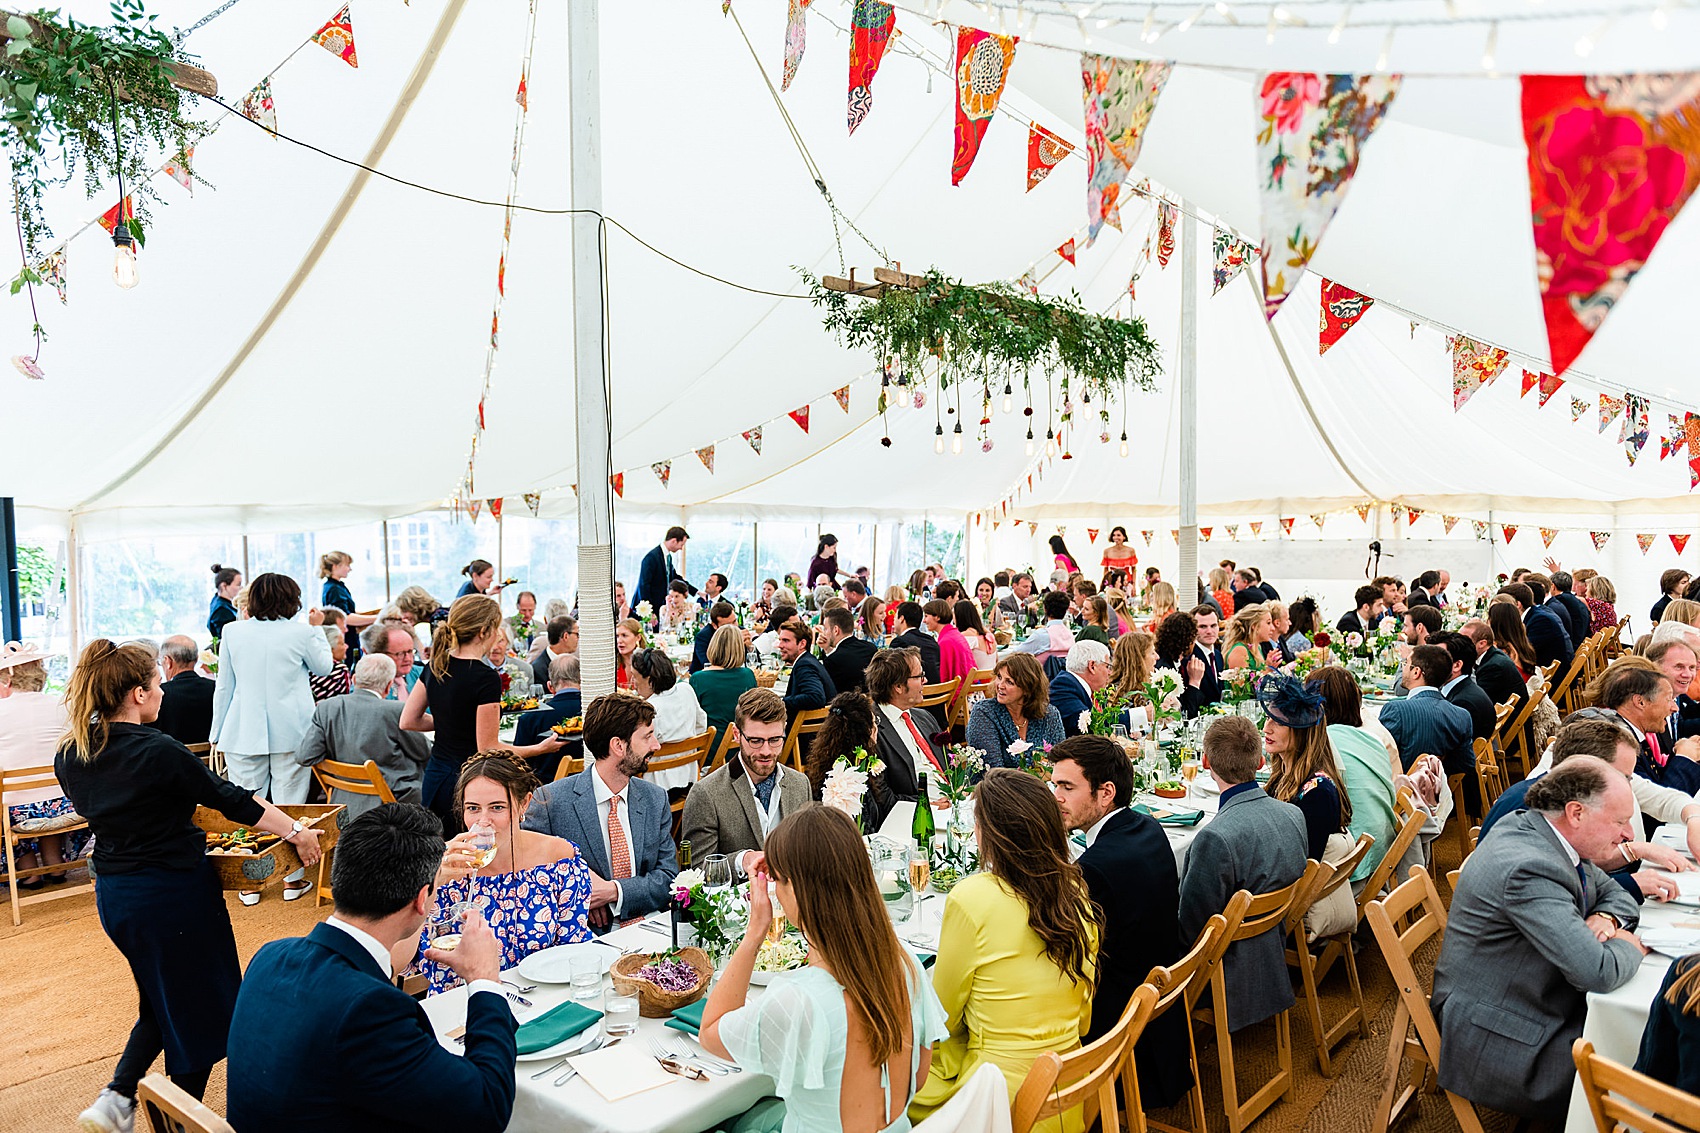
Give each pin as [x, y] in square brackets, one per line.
[533, 889]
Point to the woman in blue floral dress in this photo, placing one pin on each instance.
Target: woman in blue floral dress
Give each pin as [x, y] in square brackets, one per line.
[535, 892]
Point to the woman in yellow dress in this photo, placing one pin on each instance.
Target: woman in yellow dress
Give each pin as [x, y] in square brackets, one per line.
[1017, 954]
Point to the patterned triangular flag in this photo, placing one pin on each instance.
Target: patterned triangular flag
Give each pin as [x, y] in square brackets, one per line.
[257, 105]
[1548, 534]
[1121, 95]
[801, 416]
[1233, 530]
[1530, 381]
[1044, 151]
[1578, 406]
[1287, 525]
[1229, 255]
[1175, 534]
[1168, 216]
[1600, 539]
[663, 470]
[1092, 534]
[1635, 426]
[1147, 536]
[125, 208]
[533, 501]
[1474, 366]
[1509, 531]
[475, 508]
[1678, 435]
[1028, 282]
[618, 482]
[1679, 542]
[181, 169]
[1317, 518]
[1411, 516]
[52, 271]
[1341, 309]
[982, 66]
[1447, 523]
[842, 396]
[1204, 533]
[1645, 542]
[337, 37]
[796, 32]
[1610, 407]
[871, 24]
[1257, 528]
[754, 437]
[1549, 386]
[1363, 512]
[1311, 130]
[495, 508]
[706, 455]
[1066, 250]
[523, 94]
[1691, 436]
[1480, 527]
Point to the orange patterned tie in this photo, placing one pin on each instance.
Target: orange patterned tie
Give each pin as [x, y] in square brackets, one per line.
[619, 857]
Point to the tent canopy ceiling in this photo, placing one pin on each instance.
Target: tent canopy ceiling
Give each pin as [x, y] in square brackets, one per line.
[308, 343]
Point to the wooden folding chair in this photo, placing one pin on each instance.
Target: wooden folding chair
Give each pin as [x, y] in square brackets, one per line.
[209, 755]
[171, 1109]
[1512, 735]
[979, 681]
[1411, 818]
[569, 766]
[807, 722]
[935, 697]
[1261, 913]
[1565, 689]
[691, 751]
[1621, 1098]
[1058, 1083]
[1490, 775]
[34, 779]
[1329, 877]
[723, 750]
[1418, 900]
[1182, 981]
[355, 779]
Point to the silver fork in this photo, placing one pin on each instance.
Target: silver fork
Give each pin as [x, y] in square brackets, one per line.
[662, 1051]
[523, 989]
[517, 1000]
[709, 1061]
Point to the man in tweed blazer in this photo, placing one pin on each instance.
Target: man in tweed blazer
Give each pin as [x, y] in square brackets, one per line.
[1534, 926]
[1256, 843]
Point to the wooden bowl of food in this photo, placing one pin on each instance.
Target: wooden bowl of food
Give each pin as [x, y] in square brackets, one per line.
[662, 981]
[1170, 790]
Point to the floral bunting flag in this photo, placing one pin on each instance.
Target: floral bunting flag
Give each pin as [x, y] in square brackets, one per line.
[1635, 426]
[1509, 531]
[1610, 407]
[1287, 526]
[1204, 533]
[706, 455]
[1066, 250]
[1411, 516]
[1045, 152]
[663, 470]
[1233, 530]
[1600, 538]
[982, 65]
[1092, 534]
[180, 168]
[1317, 519]
[1664, 446]
[1028, 283]
[1229, 255]
[1147, 536]
[1645, 542]
[1447, 523]
[533, 502]
[801, 416]
[1480, 527]
[1621, 153]
[1530, 380]
[257, 105]
[842, 396]
[1679, 542]
[1121, 95]
[1549, 386]
[1548, 534]
[871, 23]
[1363, 512]
[337, 37]
[522, 95]
[1474, 367]
[496, 508]
[1691, 436]
[1175, 534]
[124, 209]
[1256, 529]
[796, 32]
[1677, 433]
[475, 508]
[1577, 408]
[1313, 128]
[1341, 309]
[754, 437]
[52, 271]
[618, 482]
[1167, 216]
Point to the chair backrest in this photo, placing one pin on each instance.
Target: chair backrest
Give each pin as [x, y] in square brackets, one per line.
[932, 696]
[1490, 774]
[1411, 820]
[808, 721]
[1211, 960]
[1563, 690]
[1640, 1102]
[1266, 911]
[27, 779]
[683, 753]
[1325, 879]
[355, 778]
[724, 749]
[979, 681]
[1419, 901]
[171, 1109]
[569, 765]
[1057, 1083]
[1178, 979]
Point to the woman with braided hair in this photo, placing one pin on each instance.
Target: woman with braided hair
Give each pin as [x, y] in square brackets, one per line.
[535, 891]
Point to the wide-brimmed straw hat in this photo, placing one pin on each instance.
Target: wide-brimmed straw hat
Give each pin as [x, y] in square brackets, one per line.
[14, 653]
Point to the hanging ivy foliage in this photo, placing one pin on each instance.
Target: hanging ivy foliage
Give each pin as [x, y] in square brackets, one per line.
[974, 333]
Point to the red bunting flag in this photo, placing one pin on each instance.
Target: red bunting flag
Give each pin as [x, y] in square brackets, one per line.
[706, 455]
[1257, 528]
[1509, 531]
[1044, 151]
[1363, 512]
[1548, 534]
[1549, 386]
[337, 37]
[1092, 534]
[1447, 523]
[1679, 542]
[618, 482]
[1287, 525]
[1530, 381]
[1204, 533]
[1341, 309]
[109, 218]
[842, 396]
[982, 65]
[522, 95]
[496, 504]
[1645, 542]
[1600, 539]
[801, 416]
[1066, 250]
[1620, 151]
[1691, 437]
[871, 24]
[1411, 516]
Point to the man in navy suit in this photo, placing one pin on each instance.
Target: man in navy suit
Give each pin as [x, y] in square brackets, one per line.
[1085, 672]
[1576, 615]
[1423, 723]
[186, 697]
[657, 572]
[847, 655]
[908, 634]
[809, 686]
[1209, 650]
[1495, 672]
[1547, 635]
[622, 825]
[323, 1040]
[565, 700]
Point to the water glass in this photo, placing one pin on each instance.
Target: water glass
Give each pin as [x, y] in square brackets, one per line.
[619, 1015]
[717, 871]
[586, 972]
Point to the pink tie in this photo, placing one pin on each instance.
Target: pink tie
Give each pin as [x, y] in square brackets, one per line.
[1653, 742]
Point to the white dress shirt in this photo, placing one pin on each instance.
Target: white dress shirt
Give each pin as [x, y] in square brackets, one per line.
[603, 793]
[922, 760]
[1092, 834]
[381, 955]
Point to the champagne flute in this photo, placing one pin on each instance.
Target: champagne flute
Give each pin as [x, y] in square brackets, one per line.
[1189, 772]
[920, 869]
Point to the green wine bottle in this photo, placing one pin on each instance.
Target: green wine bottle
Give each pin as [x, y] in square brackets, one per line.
[921, 828]
[685, 854]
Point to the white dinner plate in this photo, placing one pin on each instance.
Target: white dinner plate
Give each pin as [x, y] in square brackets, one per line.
[554, 965]
[1672, 942]
[566, 1046]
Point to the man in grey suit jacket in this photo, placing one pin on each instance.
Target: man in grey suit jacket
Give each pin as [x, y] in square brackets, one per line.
[361, 726]
[621, 824]
[731, 810]
[1424, 722]
[1534, 926]
[1255, 842]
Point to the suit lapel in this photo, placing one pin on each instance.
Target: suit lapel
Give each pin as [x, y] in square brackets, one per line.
[590, 819]
[896, 752]
[741, 790]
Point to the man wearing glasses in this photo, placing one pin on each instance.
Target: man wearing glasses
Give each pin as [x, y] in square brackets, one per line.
[908, 733]
[394, 639]
[732, 810]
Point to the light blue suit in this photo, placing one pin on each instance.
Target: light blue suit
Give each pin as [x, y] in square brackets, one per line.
[262, 703]
[567, 809]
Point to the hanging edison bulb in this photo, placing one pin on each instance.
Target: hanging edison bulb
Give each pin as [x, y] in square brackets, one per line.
[1029, 449]
[956, 440]
[1124, 442]
[938, 438]
[1008, 398]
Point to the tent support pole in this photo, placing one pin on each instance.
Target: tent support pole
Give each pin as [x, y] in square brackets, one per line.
[245, 573]
[755, 560]
[11, 606]
[590, 358]
[874, 563]
[384, 534]
[501, 548]
[74, 587]
[1186, 574]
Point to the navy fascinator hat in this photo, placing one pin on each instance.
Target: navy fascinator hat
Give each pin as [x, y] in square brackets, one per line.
[1290, 701]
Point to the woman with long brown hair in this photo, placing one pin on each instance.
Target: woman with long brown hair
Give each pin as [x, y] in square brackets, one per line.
[1018, 950]
[628, 639]
[459, 698]
[534, 893]
[1302, 768]
[847, 1038]
[1508, 633]
[159, 898]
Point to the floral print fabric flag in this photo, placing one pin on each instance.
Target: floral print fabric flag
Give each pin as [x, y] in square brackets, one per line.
[1612, 160]
[179, 169]
[1548, 534]
[1610, 407]
[1447, 523]
[706, 455]
[1550, 384]
[796, 33]
[982, 66]
[1600, 538]
[754, 437]
[1229, 255]
[533, 502]
[1680, 542]
[663, 470]
[618, 482]
[1121, 95]
[1287, 526]
[801, 416]
[337, 37]
[842, 396]
[1257, 528]
[1066, 250]
[1341, 309]
[52, 271]
[1645, 542]
[1480, 527]
[1045, 152]
[1474, 366]
[257, 105]
[1312, 129]
[871, 22]
[1635, 426]
[1509, 531]
[1578, 406]
[1167, 216]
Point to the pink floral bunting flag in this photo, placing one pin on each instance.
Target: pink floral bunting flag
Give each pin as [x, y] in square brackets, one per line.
[180, 169]
[1045, 152]
[1447, 523]
[533, 502]
[1610, 407]
[842, 396]
[1549, 386]
[1121, 95]
[1228, 255]
[1600, 538]
[706, 455]
[1480, 527]
[1645, 542]
[257, 105]
[1341, 309]
[754, 437]
[1548, 534]
[1578, 406]
[1474, 366]
[1678, 435]
[663, 470]
[1147, 536]
[474, 508]
[337, 37]
[796, 32]
[1312, 129]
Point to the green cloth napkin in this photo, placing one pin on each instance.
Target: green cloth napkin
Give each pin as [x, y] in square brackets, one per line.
[1173, 817]
[689, 1017]
[553, 1026]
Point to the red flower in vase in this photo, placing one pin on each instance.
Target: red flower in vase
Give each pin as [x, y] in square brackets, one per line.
[1321, 638]
[507, 680]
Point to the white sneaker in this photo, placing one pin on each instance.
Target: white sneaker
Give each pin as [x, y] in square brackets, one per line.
[111, 1112]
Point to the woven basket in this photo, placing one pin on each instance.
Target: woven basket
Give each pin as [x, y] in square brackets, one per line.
[654, 1003]
[766, 678]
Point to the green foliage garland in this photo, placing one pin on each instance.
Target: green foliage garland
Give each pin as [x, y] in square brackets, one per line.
[984, 334]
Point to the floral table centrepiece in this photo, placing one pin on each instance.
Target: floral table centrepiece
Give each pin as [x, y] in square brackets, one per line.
[1163, 693]
[1239, 690]
[1036, 761]
[716, 916]
[849, 786]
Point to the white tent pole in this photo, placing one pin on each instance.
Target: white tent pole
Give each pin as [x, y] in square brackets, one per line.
[384, 534]
[1186, 574]
[590, 375]
[74, 568]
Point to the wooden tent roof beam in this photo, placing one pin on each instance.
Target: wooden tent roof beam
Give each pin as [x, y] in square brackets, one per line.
[183, 76]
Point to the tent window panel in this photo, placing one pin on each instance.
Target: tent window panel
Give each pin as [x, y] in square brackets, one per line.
[410, 545]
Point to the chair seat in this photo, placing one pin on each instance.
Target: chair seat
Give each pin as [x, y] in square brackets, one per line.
[34, 826]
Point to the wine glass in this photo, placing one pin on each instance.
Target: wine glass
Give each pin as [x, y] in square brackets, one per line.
[1189, 772]
[484, 843]
[717, 871]
[920, 869]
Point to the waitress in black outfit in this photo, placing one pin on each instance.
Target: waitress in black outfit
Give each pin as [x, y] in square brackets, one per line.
[158, 896]
[227, 583]
[459, 698]
[333, 568]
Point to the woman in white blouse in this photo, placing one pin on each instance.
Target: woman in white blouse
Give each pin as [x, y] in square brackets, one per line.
[678, 715]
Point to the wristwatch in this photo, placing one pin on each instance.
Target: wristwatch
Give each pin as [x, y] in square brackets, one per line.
[298, 827]
[1616, 924]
